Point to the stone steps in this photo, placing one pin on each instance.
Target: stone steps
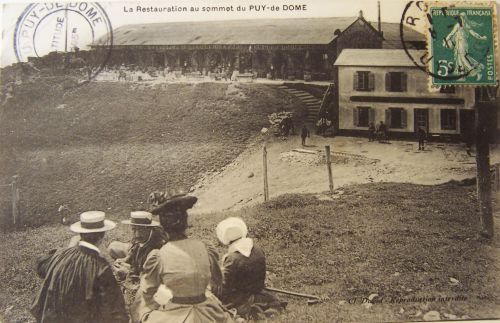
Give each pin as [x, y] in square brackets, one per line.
[312, 103]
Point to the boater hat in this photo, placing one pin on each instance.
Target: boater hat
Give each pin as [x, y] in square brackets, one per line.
[175, 199]
[141, 218]
[92, 221]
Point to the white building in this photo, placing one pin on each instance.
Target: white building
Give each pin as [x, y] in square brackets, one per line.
[384, 85]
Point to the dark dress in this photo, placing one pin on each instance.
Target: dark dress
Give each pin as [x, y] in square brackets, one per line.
[243, 285]
[137, 254]
[78, 287]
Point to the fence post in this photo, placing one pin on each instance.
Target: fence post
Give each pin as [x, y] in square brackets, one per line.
[329, 167]
[15, 197]
[497, 177]
[266, 185]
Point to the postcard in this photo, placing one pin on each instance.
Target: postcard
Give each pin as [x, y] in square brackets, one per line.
[236, 160]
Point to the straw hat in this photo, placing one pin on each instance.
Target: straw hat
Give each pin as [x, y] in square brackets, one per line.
[92, 221]
[141, 218]
[231, 229]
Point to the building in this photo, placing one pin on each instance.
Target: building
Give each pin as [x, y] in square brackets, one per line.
[384, 85]
[299, 48]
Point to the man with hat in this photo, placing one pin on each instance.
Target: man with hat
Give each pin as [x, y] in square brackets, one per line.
[244, 273]
[174, 280]
[147, 236]
[79, 285]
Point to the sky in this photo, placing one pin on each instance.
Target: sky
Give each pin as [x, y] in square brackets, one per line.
[119, 14]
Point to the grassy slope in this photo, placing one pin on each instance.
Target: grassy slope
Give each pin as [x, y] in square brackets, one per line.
[346, 248]
[113, 143]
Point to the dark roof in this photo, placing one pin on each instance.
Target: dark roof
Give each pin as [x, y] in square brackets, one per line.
[392, 37]
[296, 31]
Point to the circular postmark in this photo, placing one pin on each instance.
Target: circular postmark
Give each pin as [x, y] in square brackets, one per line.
[81, 31]
[459, 47]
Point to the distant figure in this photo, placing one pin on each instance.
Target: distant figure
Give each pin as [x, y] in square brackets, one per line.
[382, 132]
[78, 283]
[304, 134]
[421, 138]
[272, 72]
[371, 132]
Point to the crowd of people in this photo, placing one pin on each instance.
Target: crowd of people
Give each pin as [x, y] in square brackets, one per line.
[178, 278]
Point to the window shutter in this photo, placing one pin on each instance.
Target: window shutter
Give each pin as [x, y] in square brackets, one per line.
[404, 78]
[371, 115]
[355, 81]
[371, 81]
[388, 82]
[355, 116]
[388, 118]
[404, 121]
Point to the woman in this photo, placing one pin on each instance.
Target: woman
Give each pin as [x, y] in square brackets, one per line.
[175, 278]
[244, 273]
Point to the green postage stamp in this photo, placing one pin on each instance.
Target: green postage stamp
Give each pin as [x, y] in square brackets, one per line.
[462, 44]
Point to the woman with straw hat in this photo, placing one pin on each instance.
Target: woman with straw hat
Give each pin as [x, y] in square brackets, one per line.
[79, 285]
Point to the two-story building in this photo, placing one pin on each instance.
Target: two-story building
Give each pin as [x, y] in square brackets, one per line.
[384, 85]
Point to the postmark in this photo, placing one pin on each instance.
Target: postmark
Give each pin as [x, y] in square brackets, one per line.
[462, 45]
[69, 28]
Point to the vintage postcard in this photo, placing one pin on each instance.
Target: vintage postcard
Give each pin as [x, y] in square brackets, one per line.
[236, 160]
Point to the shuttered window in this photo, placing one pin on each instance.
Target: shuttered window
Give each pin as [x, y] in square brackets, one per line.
[448, 119]
[396, 118]
[396, 82]
[363, 116]
[363, 81]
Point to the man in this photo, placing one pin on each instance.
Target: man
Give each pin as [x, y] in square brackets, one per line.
[304, 134]
[421, 138]
[147, 236]
[371, 132]
[244, 273]
[382, 132]
[79, 285]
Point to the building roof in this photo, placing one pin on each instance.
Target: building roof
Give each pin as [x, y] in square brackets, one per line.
[376, 57]
[392, 36]
[297, 31]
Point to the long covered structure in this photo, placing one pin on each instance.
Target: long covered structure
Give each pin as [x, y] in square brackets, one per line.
[304, 48]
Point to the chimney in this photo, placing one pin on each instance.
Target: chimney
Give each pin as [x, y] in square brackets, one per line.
[379, 18]
[361, 14]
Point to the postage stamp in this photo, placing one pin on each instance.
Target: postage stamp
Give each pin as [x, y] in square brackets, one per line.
[462, 44]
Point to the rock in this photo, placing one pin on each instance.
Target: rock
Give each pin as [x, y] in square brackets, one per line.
[450, 316]
[454, 281]
[251, 175]
[401, 310]
[342, 302]
[372, 296]
[264, 130]
[396, 274]
[432, 316]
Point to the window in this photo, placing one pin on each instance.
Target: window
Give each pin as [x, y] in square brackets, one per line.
[448, 119]
[395, 118]
[363, 116]
[364, 81]
[395, 82]
[447, 89]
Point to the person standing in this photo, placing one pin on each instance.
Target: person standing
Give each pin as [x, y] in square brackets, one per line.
[174, 281]
[304, 134]
[79, 285]
[371, 132]
[421, 138]
[244, 273]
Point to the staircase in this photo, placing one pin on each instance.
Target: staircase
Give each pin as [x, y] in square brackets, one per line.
[312, 103]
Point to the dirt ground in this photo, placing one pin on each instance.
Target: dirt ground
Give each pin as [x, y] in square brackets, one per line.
[355, 160]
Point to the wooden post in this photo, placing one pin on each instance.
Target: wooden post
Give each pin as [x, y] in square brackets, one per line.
[266, 185]
[497, 177]
[15, 196]
[329, 167]
[483, 170]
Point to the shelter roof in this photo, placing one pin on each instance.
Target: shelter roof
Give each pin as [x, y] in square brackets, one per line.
[376, 57]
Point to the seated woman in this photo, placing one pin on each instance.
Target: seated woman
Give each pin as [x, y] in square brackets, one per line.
[174, 281]
[244, 273]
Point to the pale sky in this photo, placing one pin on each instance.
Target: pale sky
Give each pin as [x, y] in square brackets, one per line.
[391, 12]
